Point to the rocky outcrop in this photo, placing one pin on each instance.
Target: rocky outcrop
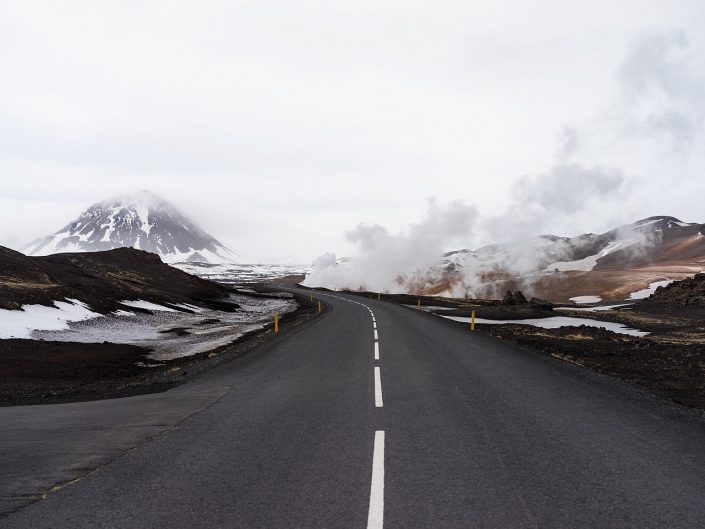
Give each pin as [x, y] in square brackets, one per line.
[686, 293]
[514, 298]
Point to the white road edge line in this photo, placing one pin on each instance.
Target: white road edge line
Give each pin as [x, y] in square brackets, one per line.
[376, 350]
[376, 337]
[375, 518]
[378, 388]
[374, 324]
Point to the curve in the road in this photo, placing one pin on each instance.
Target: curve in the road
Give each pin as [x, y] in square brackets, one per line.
[473, 433]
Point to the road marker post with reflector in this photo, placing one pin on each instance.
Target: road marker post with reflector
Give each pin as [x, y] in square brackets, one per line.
[379, 296]
[418, 304]
[276, 322]
[319, 306]
[472, 321]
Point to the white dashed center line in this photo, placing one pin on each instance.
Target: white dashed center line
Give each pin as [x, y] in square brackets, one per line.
[375, 518]
[378, 388]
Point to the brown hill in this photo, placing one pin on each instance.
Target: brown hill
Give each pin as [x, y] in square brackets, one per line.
[611, 265]
[675, 245]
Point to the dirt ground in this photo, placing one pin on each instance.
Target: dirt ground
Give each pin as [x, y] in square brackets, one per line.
[675, 369]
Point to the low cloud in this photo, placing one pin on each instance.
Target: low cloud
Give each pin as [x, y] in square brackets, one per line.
[663, 94]
[389, 262]
[541, 201]
[568, 187]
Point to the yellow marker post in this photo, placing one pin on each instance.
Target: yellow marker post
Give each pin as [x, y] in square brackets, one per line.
[276, 322]
[418, 304]
[379, 296]
[312, 296]
[319, 306]
[472, 321]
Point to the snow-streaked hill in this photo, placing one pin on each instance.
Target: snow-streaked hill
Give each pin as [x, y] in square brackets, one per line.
[642, 242]
[139, 220]
[611, 265]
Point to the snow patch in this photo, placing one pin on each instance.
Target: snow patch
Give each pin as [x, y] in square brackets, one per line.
[188, 306]
[110, 225]
[646, 292]
[141, 304]
[21, 323]
[142, 211]
[589, 263]
[122, 313]
[557, 322]
[83, 237]
[580, 300]
[595, 309]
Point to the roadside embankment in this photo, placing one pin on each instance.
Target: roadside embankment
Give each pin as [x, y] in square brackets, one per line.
[41, 372]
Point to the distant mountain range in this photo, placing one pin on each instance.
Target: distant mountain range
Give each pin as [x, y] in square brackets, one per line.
[613, 265]
[628, 262]
[139, 220]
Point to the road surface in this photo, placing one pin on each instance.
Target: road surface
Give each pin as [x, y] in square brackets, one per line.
[373, 415]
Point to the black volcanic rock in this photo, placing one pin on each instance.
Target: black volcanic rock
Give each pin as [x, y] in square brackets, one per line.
[101, 280]
[541, 303]
[514, 298]
[677, 295]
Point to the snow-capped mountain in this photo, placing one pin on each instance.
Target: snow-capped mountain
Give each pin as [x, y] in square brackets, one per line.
[139, 220]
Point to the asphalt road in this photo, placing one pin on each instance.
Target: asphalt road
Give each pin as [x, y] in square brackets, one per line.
[446, 429]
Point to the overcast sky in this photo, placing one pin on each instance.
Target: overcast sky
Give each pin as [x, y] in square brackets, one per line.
[280, 126]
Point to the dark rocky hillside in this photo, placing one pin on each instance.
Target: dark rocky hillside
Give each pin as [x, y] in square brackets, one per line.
[101, 280]
[687, 295]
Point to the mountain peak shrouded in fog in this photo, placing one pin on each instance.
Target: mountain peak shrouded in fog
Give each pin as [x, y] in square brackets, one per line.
[139, 220]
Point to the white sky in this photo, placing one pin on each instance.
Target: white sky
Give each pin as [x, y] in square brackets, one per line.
[279, 126]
